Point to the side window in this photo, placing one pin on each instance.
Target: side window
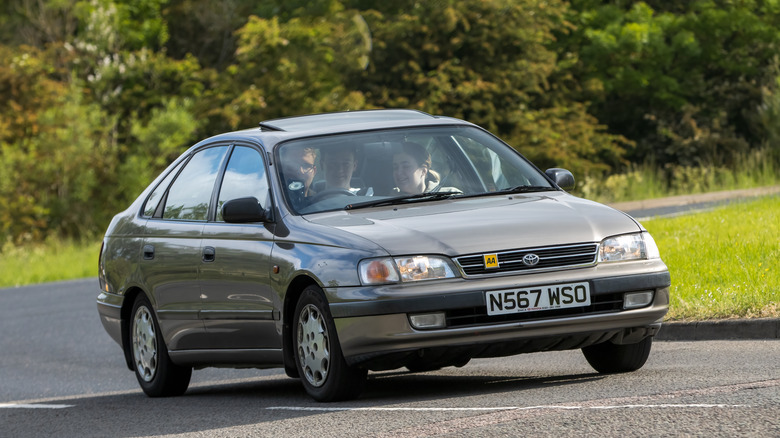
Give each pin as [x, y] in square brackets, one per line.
[157, 194]
[190, 194]
[244, 177]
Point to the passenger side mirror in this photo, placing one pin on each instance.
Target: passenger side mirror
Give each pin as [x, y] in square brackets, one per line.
[243, 210]
[562, 177]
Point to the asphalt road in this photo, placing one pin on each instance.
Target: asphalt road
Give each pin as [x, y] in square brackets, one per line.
[685, 204]
[61, 375]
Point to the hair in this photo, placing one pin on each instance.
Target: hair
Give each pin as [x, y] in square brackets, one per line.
[303, 149]
[422, 157]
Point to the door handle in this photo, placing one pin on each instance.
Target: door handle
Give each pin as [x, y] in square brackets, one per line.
[209, 254]
[148, 252]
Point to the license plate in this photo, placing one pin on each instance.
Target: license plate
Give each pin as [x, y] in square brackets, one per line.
[536, 298]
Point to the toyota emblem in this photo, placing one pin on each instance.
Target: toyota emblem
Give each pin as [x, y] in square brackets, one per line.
[530, 259]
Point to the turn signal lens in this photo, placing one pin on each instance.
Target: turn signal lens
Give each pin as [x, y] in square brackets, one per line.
[378, 271]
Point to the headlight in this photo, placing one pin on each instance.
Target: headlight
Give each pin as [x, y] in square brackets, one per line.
[410, 268]
[638, 246]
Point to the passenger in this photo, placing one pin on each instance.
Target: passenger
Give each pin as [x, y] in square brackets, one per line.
[412, 170]
[339, 163]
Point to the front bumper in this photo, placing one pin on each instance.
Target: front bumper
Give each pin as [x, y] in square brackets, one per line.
[377, 333]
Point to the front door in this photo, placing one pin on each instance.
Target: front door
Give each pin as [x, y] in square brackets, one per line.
[240, 310]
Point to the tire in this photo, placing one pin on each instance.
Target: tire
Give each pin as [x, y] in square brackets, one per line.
[609, 358]
[323, 371]
[157, 375]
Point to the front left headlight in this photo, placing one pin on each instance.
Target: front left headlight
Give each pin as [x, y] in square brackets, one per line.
[404, 269]
[637, 246]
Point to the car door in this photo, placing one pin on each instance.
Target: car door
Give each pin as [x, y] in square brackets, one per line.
[172, 248]
[240, 309]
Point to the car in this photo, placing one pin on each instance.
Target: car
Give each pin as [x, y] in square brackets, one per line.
[331, 245]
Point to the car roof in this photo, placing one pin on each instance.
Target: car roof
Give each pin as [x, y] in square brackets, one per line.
[326, 120]
[276, 130]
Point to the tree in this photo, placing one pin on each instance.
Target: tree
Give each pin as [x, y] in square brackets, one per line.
[682, 81]
[293, 67]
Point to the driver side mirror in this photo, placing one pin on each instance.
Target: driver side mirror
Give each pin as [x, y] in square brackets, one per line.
[243, 210]
[562, 177]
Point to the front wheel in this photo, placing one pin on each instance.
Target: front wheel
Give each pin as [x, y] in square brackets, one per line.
[157, 375]
[321, 365]
[609, 358]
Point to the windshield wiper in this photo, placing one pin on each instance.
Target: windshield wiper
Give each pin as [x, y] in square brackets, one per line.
[403, 200]
[524, 189]
[435, 196]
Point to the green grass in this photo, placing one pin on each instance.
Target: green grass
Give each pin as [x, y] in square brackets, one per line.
[53, 260]
[723, 263]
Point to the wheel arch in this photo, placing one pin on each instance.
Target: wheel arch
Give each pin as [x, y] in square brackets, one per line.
[291, 296]
[126, 316]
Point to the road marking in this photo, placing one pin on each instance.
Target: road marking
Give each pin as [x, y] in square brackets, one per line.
[32, 406]
[508, 408]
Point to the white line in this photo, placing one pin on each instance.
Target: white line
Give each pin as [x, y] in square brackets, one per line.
[507, 408]
[667, 405]
[310, 408]
[30, 406]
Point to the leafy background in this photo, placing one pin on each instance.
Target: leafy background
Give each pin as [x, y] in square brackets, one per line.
[97, 96]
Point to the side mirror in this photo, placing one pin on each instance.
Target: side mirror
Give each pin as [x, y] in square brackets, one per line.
[562, 177]
[243, 210]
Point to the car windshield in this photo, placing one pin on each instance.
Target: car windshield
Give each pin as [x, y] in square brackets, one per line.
[366, 169]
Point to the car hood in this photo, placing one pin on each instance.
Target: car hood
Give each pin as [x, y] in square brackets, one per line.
[475, 225]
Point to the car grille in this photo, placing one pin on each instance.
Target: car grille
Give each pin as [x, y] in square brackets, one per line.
[551, 257]
[603, 303]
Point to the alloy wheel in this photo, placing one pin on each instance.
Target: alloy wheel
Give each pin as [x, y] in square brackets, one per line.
[144, 344]
[313, 345]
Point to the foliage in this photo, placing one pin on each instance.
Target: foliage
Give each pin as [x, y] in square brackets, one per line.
[482, 61]
[97, 96]
[683, 81]
[50, 180]
[294, 67]
[647, 181]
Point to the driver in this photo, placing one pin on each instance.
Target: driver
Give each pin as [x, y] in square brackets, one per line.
[298, 167]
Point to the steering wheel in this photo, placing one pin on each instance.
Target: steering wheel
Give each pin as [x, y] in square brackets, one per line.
[329, 193]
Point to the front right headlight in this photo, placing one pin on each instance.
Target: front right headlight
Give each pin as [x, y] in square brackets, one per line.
[637, 246]
[404, 269]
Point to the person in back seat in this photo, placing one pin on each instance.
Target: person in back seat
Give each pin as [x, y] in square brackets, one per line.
[339, 164]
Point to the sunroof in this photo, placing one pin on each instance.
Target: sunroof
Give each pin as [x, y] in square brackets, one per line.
[316, 121]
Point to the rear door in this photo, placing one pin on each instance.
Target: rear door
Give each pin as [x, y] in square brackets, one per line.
[172, 247]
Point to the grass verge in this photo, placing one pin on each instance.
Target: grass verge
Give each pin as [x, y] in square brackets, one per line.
[53, 260]
[723, 263]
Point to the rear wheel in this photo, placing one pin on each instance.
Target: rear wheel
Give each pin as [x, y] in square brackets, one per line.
[321, 365]
[611, 358]
[157, 375]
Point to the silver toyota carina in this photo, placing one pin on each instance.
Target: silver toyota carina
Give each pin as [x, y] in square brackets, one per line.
[336, 244]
